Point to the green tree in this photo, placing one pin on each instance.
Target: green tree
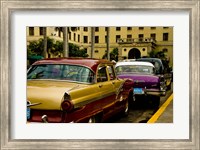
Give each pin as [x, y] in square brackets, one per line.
[74, 51]
[161, 55]
[55, 48]
[113, 55]
[65, 31]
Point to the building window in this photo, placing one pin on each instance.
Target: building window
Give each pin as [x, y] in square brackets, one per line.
[85, 39]
[165, 36]
[129, 28]
[59, 33]
[125, 49]
[85, 49]
[41, 31]
[74, 36]
[96, 29]
[153, 36]
[85, 29]
[141, 28]
[78, 38]
[143, 49]
[117, 38]
[153, 28]
[141, 36]
[118, 28]
[165, 50]
[31, 31]
[96, 51]
[96, 39]
[70, 35]
[106, 28]
[129, 36]
[165, 27]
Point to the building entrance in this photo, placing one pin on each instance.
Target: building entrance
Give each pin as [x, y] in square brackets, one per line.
[134, 53]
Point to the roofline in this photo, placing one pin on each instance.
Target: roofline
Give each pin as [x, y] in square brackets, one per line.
[134, 63]
[91, 63]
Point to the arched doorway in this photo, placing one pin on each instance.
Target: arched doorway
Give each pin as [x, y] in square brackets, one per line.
[134, 53]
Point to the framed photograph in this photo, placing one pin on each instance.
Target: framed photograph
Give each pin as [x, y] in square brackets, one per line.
[182, 16]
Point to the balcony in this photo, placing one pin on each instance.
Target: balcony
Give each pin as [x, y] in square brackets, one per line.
[138, 41]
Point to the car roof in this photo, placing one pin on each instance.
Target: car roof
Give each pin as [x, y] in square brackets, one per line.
[134, 63]
[87, 62]
[149, 59]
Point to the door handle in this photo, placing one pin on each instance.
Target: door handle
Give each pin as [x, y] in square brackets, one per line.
[113, 82]
[100, 85]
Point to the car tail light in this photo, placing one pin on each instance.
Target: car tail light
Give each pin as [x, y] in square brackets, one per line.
[162, 83]
[67, 104]
[128, 83]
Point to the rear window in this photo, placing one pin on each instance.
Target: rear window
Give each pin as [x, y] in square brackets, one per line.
[61, 72]
[129, 69]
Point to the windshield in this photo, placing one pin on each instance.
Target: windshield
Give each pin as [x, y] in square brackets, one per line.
[61, 72]
[130, 69]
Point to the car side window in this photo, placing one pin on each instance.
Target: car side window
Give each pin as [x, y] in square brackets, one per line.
[102, 74]
[111, 72]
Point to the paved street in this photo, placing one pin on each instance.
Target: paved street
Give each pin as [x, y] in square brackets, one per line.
[140, 114]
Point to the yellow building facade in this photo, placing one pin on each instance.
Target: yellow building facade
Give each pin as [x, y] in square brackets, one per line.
[132, 42]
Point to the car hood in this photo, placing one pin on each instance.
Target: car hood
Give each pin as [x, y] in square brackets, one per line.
[49, 93]
[141, 79]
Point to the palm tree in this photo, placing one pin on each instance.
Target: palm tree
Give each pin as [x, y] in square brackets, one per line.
[108, 42]
[45, 42]
[92, 41]
[65, 42]
[65, 31]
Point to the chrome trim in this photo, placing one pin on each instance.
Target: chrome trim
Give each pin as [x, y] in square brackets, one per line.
[44, 118]
[34, 104]
[155, 92]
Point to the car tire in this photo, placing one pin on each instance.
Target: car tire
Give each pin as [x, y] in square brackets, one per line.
[126, 110]
[156, 102]
[131, 99]
[94, 119]
[169, 87]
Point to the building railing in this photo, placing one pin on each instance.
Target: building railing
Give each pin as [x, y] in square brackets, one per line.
[135, 40]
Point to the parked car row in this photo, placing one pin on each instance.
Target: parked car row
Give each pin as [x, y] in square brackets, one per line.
[88, 90]
[75, 90]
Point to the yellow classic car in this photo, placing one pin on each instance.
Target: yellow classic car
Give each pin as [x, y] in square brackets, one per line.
[75, 90]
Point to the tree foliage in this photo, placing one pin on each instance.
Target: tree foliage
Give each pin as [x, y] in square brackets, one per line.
[161, 55]
[74, 51]
[54, 47]
[113, 55]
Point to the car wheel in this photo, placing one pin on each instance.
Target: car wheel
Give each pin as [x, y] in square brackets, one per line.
[169, 87]
[94, 119]
[131, 99]
[126, 110]
[156, 102]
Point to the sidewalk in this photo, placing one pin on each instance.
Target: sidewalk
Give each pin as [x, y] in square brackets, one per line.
[165, 113]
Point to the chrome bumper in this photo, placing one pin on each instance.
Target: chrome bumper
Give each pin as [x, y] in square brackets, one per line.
[155, 92]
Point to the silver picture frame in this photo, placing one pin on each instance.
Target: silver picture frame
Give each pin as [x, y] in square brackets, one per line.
[9, 7]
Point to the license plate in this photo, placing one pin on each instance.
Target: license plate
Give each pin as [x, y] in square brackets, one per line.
[28, 113]
[138, 91]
